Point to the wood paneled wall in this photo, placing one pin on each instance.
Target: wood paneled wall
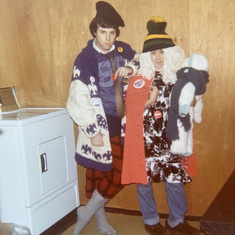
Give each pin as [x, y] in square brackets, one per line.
[39, 41]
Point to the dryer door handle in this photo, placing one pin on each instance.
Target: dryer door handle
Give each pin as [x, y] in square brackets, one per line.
[44, 162]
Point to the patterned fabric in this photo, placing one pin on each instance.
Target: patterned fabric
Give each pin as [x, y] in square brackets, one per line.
[106, 84]
[85, 104]
[89, 115]
[108, 183]
[160, 163]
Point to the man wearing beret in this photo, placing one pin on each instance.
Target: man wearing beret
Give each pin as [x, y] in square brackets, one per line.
[95, 103]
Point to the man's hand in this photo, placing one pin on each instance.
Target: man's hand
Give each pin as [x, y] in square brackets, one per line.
[97, 141]
[123, 72]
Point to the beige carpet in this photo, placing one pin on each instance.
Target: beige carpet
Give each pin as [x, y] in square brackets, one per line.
[123, 224]
[5, 229]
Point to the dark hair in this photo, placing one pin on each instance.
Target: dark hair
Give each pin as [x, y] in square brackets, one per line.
[104, 23]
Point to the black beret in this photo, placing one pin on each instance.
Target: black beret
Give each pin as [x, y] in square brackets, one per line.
[106, 11]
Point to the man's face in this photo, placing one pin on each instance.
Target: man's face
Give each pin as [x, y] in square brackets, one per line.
[105, 38]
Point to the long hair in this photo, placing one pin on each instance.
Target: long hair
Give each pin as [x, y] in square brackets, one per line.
[173, 61]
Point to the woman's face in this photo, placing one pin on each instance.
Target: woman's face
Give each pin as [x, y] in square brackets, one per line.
[157, 58]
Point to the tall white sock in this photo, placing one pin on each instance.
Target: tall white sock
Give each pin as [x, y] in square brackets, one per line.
[102, 223]
[85, 213]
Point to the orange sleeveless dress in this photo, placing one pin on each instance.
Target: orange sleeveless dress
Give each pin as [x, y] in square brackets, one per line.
[134, 167]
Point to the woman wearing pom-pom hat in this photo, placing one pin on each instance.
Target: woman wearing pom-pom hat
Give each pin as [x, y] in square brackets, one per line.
[147, 160]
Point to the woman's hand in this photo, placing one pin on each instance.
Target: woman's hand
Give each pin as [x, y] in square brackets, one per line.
[97, 141]
[153, 94]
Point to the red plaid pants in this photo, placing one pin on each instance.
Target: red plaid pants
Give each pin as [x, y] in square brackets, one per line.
[108, 184]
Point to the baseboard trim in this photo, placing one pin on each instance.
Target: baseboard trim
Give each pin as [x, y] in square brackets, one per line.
[138, 213]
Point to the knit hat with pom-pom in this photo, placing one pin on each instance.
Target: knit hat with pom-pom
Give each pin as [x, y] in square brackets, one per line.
[157, 38]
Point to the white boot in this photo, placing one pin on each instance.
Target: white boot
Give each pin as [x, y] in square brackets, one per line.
[102, 223]
[85, 213]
